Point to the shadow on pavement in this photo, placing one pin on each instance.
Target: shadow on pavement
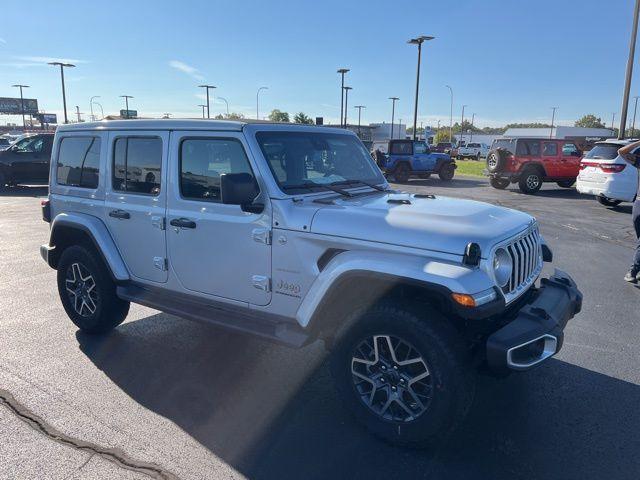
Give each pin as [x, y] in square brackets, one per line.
[271, 413]
[24, 191]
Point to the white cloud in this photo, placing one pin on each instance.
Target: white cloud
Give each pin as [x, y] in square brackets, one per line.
[40, 60]
[3, 41]
[22, 65]
[188, 69]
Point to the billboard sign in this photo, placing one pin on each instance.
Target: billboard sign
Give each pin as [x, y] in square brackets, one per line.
[48, 118]
[128, 113]
[12, 106]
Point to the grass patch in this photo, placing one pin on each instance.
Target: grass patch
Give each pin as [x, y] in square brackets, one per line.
[473, 168]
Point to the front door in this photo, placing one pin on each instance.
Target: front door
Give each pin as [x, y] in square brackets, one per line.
[422, 157]
[30, 159]
[214, 248]
[135, 203]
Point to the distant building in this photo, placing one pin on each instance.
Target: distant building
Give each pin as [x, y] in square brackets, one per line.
[560, 132]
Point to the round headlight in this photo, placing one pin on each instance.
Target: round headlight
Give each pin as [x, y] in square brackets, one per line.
[502, 266]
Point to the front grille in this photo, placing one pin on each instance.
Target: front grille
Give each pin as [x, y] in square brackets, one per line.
[526, 260]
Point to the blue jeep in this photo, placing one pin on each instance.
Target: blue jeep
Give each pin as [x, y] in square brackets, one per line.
[407, 158]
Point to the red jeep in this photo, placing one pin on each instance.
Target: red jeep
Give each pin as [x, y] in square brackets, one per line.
[531, 161]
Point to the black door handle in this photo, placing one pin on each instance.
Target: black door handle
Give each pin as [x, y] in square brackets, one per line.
[121, 214]
[182, 223]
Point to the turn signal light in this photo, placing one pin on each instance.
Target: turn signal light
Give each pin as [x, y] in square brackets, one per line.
[464, 299]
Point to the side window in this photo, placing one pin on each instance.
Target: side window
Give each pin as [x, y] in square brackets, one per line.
[137, 163]
[401, 148]
[79, 162]
[549, 149]
[420, 147]
[570, 150]
[31, 145]
[528, 148]
[204, 160]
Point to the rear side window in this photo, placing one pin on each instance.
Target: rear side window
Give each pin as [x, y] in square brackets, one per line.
[203, 161]
[528, 148]
[137, 163]
[603, 152]
[508, 145]
[79, 162]
[549, 149]
[570, 150]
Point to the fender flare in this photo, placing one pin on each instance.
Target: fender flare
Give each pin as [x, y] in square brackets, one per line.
[532, 164]
[439, 276]
[102, 240]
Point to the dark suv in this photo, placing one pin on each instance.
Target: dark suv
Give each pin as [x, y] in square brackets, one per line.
[27, 161]
[532, 161]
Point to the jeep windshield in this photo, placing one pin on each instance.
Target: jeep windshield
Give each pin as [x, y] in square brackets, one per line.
[304, 162]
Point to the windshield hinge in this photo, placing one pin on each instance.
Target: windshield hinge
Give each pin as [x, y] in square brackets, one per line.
[262, 235]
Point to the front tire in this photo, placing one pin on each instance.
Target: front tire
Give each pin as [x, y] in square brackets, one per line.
[402, 173]
[87, 291]
[608, 202]
[499, 183]
[404, 375]
[566, 183]
[447, 171]
[530, 181]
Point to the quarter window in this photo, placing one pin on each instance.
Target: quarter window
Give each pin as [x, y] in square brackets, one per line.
[549, 149]
[137, 163]
[203, 161]
[528, 148]
[79, 162]
[570, 150]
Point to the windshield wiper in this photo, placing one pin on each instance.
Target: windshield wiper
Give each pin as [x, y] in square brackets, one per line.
[362, 182]
[328, 186]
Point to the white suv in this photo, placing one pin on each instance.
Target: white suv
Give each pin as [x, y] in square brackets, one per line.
[606, 175]
[292, 233]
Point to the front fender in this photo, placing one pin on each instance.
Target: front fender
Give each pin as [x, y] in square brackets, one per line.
[97, 231]
[446, 276]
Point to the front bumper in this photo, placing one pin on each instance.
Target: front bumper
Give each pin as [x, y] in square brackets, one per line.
[537, 331]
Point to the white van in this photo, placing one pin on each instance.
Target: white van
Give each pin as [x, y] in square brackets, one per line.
[606, 175]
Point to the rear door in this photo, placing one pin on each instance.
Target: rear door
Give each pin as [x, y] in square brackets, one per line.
[570, 159]
[136, 200]
[551, 159]
[527, 151]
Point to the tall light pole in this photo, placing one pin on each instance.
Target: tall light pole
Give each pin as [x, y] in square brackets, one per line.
[258, 101]
[93, 117]
[203, 107]
[359, 107]
[473, 118]
[78, 113]
[64, 95]
[346, 103]
[450, 115]
[24, 124]
[553, 117]
[225, 101]
[126, 103]
[635, 108]
[207, 88]
[627, 81]
[342, 71]
[393, 112]
[462, 125]
[613, 119]
[418, 41]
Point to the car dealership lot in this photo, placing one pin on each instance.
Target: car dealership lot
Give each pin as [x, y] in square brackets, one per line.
[202, 403]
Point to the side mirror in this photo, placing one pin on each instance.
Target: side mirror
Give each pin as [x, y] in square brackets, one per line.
[240, 189]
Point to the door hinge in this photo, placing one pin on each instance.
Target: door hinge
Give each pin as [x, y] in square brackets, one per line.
[261, 282]
[161, 263]
[262, 235]
[158, 222]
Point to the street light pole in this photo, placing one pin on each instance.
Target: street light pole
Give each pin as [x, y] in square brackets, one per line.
[462, 125]
[203, 107]
[613, 119]
[553, 117]
[258, 101]
[225, 101]
[93, 117]
[207, 88]
[393, 112]
[78, 113]
[473, 117]
[64, 95]
[627, 82]
[126, 103]
[635, 108]
[359, 107]
[418, 41]
[346, 104]
[24, 124]
[450, 115]
[342, 71]
[101, 110]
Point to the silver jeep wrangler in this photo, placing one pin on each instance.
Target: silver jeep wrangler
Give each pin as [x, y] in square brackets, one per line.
[292, 233]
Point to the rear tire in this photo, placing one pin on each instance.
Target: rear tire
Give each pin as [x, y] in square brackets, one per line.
[566, 183]
[402, 173]
[499, 183]
[87, 291]
[447, 171]
[608, 202]
[415, 403]
[530, 181]
[478, 157]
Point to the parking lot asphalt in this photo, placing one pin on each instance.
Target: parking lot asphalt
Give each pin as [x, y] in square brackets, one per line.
[166, 398]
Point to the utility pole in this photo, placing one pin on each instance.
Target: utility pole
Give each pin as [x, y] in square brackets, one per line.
[258, 100]
[461, 126]
[635, 108]
[418, 41]
[359, 107]
[629, 75]
[207, 88]
[342, 71]
[78, 113]
[126, 103]
[613, 119]
[203, 107]
[393, 112]
[473, 117]
[553, 116]
[346, 104]
[64, 95]
[24, 124]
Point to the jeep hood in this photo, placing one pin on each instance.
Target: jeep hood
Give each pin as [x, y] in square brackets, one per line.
[442, 224]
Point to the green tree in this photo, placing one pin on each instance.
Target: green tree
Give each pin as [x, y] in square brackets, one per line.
[590, 121]
[229, 116]
[441, 135]
[301, 117]
[278, 116]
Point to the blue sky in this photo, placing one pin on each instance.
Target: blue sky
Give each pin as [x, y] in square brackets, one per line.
[507, 60]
